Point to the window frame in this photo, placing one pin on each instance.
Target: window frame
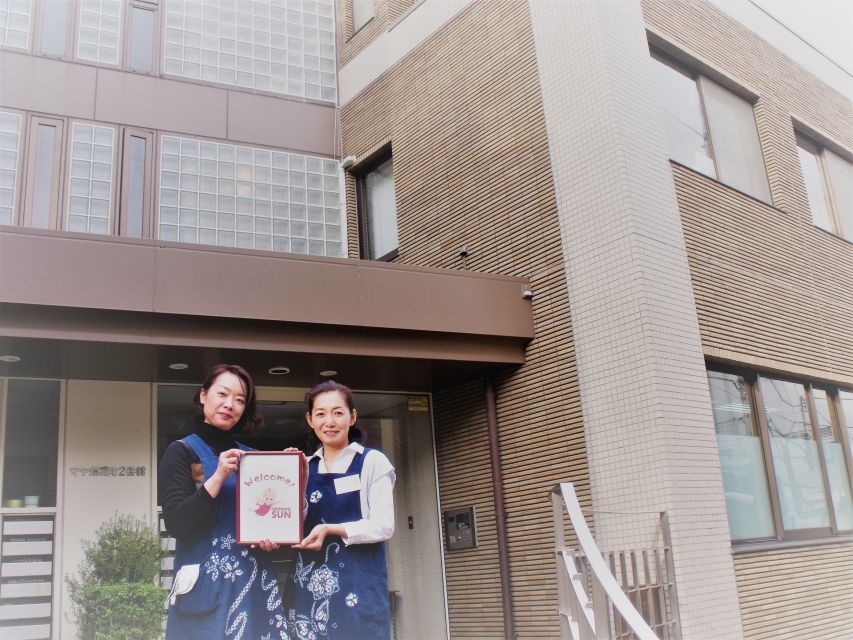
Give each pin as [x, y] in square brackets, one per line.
[809, 145]
[115, 173]
[355, 29]
[127, 44]
[58, 176]
[70, 30]
[21, 160]
[360, 174]
[150, 138]
[759, 418]
[699, 79]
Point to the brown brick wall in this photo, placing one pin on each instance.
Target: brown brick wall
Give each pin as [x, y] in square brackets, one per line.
[472, 168]
[385, 14]
[797, 594]
[772, 290]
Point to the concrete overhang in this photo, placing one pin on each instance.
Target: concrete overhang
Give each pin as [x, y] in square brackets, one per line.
[107, 307]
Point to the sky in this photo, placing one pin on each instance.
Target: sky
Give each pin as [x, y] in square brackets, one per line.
[827, 25]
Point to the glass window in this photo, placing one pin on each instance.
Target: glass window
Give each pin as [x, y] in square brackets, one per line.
[741, 458]
[362, 11]
[31, 443]
[134, 223]
[813, 177]
[734, 136]
[687, 136]
[379, 211]
[15, 23]
[263, 45]
[786, 466]
[222, 194]
[712, 131]
[10, 133]
[841, 185]
[98, 37]
[846, 410]
[802, 500]
[141, 54]
[45, 174]
[54, 28]
[90, 191]
[836, 462]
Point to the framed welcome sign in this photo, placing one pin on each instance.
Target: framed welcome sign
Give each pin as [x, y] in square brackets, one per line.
[269, 503]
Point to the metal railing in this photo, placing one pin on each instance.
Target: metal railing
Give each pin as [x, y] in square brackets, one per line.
[630, 595]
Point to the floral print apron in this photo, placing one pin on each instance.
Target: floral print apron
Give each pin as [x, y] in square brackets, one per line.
[338, 592]
[236, 596]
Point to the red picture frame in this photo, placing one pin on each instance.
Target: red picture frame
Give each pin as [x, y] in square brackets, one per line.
[269, 497]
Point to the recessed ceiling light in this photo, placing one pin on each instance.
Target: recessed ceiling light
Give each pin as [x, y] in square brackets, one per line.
[9, 358]
[329, 372]
[279, 371]
[179, 366]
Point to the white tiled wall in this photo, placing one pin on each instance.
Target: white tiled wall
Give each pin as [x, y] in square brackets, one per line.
[649, 429]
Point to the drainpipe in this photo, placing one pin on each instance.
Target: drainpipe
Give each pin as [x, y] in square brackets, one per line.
[500, 511]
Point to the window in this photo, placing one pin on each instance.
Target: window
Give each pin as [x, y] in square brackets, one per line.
[90, 192]
[98, 37]
[264, 45]
[10, 134]
[44, 169]
[31, 443]
[15, 23]
[53, 35]
[222, 194]
[362, 12]
[829, 186]
[142, 24]
[378, 211]
[712, 130]
[785, 459]
[136, 178]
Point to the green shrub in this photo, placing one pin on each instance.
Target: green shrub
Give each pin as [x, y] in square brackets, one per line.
[123, 611]
[114, 595]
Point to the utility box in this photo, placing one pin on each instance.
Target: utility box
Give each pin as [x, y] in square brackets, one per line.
[460, 528]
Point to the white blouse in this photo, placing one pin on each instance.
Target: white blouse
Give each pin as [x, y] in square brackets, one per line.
[376, 495]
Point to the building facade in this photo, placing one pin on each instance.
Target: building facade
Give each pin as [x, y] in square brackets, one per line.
[592, 242]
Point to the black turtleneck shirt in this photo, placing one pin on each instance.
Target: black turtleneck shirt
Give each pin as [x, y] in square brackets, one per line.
[188, 509]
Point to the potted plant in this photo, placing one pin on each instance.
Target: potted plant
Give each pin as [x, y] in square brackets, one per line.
[115, 594]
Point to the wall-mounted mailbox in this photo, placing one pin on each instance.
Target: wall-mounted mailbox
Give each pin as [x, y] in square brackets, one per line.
[460, 528]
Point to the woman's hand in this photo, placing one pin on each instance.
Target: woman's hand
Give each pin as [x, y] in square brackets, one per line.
[266, 545]
[314, 540]
[229, 462]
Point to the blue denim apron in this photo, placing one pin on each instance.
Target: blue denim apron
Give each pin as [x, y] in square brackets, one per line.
[338, 592]
[236, 595]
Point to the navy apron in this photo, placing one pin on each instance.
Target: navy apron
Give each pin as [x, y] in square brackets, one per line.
[236, 596]
[338, 592]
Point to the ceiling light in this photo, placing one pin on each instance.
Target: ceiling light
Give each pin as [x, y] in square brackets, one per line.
[328, 373]
[179, 366]
[9, 358]
[279, 371]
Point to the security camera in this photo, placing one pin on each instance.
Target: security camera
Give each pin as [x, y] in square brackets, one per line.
[527, 293]
[348, 162]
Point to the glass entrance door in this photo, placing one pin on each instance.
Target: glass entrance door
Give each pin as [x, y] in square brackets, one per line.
[400, 426]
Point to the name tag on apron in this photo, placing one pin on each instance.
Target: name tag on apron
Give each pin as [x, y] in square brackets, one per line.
[347, 484]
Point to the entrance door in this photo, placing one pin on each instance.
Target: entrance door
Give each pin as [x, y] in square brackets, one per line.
[400, 426]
